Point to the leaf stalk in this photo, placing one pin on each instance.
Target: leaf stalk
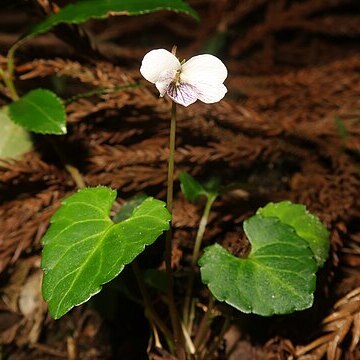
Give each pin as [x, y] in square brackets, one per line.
[152, 315]
[199, 236]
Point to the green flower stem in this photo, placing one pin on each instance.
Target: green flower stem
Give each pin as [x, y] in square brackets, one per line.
[175, 320]
[8, 81]
[9, 74]
[203, 222]
[199, 236]
[149, 310]
[170, 180]
[11, 56]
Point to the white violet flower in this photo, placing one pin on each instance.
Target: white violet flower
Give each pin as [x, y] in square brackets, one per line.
[201, 77]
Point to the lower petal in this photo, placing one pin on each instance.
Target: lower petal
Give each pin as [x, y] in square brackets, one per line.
[183, 94]
[165, 79]
[210, 93]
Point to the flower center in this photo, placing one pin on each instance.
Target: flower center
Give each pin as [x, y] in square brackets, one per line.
[177, 78]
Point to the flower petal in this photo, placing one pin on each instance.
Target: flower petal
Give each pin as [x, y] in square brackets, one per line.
[210, 93]
[207, 69]
[183, 94]
[156, 62]
[164, 81]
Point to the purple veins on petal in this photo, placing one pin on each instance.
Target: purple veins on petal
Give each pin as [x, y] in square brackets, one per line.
[164, 81]
[183, 94]
[210, 93]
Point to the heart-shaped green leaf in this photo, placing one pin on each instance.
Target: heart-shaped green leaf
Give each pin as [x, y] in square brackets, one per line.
[14, 140]
[84, 249]
[278, 276]
[40, 111]
[307, 226]
[87, 9]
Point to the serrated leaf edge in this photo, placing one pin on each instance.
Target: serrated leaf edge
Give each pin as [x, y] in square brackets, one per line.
[250, 308]
[62, 129]
[56, 314]
[320, 261]
[190, 11]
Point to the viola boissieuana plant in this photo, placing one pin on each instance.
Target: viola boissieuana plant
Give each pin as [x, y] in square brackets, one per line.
[199, 78]
[84, 248]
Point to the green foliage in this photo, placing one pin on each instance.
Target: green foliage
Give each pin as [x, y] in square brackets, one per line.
[84, 249]
[86, 9]
[278, 276]
[193, 190]
[40, 111]
[306, 225]
[14, 140]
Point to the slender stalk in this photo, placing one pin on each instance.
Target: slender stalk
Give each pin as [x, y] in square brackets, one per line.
[204, 325]
[10, 57]
[175, 320]
[156, 338]
[170, 180]
[9, 74]
[75, 174]
[149, 310]
[192, 314]
[199, 236]
[7, 78]
[189, 343]
[203, 222]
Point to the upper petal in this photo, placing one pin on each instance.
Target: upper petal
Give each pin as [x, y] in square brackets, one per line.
[156, 62]
[207, 69]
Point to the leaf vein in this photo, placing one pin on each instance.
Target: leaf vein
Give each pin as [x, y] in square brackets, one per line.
[89, 205]
[74, 224]
[285, 285]
[83, 265]
[42, 112]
